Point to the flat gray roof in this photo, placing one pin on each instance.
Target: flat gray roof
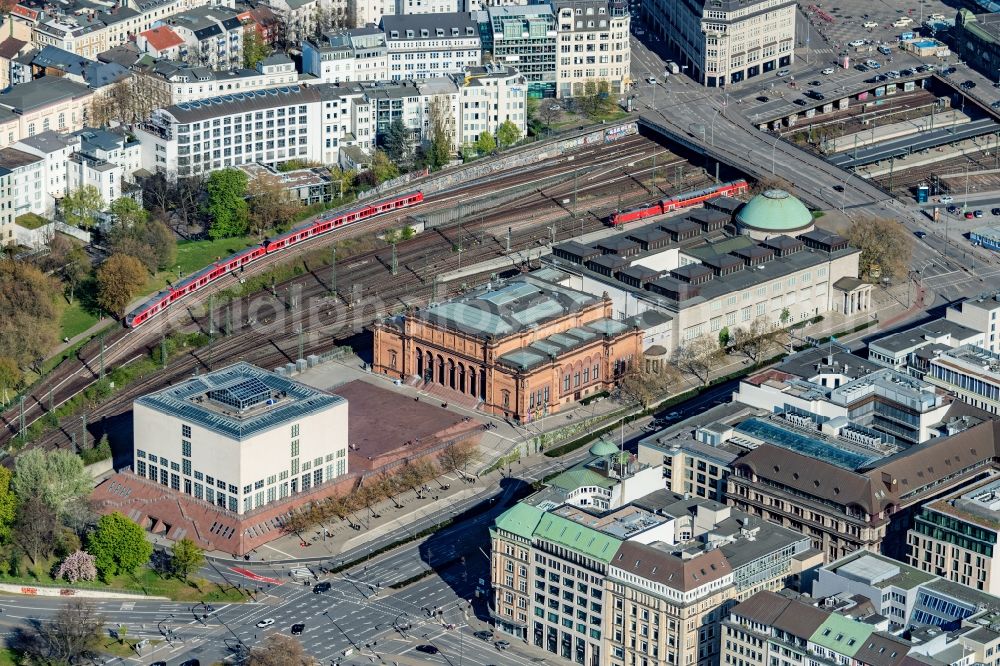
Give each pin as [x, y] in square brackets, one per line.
[27, 97]
[240, 401]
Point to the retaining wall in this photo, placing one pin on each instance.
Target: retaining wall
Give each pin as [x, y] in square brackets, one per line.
[42, 591]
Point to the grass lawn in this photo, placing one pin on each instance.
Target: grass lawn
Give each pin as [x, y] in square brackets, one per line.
[116, 648]
[75, 320]
[145, 581]
[193, 255]
[8, 657]
[30, 221]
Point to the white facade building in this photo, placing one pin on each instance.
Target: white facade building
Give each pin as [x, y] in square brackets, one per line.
[173, 83]
[25, 173]
[489, 96]
[593, 40]
[426, 45]
[980, 314]
[54, 150]
[213, 37]
[240, 438]
[351, 55]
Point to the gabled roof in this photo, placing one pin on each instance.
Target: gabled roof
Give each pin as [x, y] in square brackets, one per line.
[671, 570]
[789, 615]
[842, 635]
[882, 650]
[575, 536]
[521, 519]
[10, 47]
[162, 38]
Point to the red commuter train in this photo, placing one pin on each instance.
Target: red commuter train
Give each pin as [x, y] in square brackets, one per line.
[686, 200]
[304, 231]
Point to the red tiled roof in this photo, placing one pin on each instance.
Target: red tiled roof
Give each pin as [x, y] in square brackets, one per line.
[162, 38]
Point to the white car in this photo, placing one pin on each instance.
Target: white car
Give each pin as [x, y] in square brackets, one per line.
[870, 24]
[651, 80]
[902, 22]
[857, 42]
[783, 72]
[828, 71]
[946, 199]
[265, 623]
[936, 17]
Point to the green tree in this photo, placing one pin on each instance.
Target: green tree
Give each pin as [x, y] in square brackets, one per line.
[507, 134]
[185, 558]
[724, 337]
[8, 505]
[56, 477]
[486, 144]
[119, 279]
[118, 545]
[30, 309]
[383, 168]
[396, 142]
[255, 49]
[128, 213]
[80, 207]
[227, 206]
[440, 149]
[75, 269]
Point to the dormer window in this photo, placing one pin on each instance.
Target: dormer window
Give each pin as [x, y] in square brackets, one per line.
[439, 32]
[424, 32]
[394, 34]
[409, 34]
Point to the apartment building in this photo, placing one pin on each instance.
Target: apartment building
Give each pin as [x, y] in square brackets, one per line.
[25, 173]
[54, 150]
[723, 42]
[648, 579]
[171, 83]
[427, 45]
[524, 37]
[955, 536]
[979, 314]
[161, 42]
[905, 595]
[593, 38]
[488, 97]
[213, 37]
[971, 373]
[359, 54]
[46, 104]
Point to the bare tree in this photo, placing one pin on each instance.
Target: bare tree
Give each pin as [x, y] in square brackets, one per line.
[70, 636]
[280, 650]
[698, 357]
[456, 457]
[753, 339]
[36, 528]
[647, 387]
[885, 246]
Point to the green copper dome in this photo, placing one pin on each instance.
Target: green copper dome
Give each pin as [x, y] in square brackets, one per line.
[775, 211]
[603, 448]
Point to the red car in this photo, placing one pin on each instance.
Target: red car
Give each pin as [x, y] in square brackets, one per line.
[969, 215]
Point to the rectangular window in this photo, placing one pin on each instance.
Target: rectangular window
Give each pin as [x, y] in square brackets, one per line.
[295, 431]
[295, 447]
[187, 467]
[140, 468]
[186, 431]
[186, 448]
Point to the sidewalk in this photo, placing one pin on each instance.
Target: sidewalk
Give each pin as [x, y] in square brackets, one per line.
[90, 332]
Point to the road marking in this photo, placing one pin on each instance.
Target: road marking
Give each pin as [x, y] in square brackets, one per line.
[128, 605]
[269, 547]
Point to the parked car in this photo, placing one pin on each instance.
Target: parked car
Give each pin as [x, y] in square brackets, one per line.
[427, 649]
[870, 24]
[968, 85]
[484, 635]
[947, 199]
[953, 209]
[816, 83]
[801, 102]
[265, 623]
[298, 628]
[784, 72]
[969, 215]
[502, 645]
[884, 50]
[827, 71]
[857, 42]
[977, 213]
[995, 211]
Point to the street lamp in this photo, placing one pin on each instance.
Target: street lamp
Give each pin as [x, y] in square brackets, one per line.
[777, 137]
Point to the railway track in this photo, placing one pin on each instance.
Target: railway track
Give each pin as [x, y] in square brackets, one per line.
[277, 322]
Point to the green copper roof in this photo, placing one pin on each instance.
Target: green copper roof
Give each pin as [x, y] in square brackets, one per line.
[577, 537]
[842, 635]
[775, 210]
[521, 519]
[603, 448]
[572, 479]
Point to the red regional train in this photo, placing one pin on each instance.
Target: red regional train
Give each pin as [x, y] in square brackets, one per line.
[686, 200]
[304, 231]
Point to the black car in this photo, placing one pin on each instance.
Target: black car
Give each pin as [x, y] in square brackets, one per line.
[995, 211]
[322, 587]
[484, 635]
[191, 662]
[815, 83]
[919, 234]
[297, 629]
[968, 85]
[801, 102]
[763, 98]
[427, 649]
[838, 188]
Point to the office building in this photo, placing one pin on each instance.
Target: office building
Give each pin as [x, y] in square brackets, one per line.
[724, 42]
[979, 314]
[954, 537]
[971, 373]
[525, 349]
[524, 37]
[50, 103]
[911, 350]
[240, 437]
[593, 47]
[648, 580]
[905, 595]
[169, 83]
[427, 45]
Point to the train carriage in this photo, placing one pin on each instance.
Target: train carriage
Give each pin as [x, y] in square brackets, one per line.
[237, 261]
[679, 202]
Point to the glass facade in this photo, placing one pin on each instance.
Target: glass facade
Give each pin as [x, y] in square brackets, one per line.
[955, 531]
